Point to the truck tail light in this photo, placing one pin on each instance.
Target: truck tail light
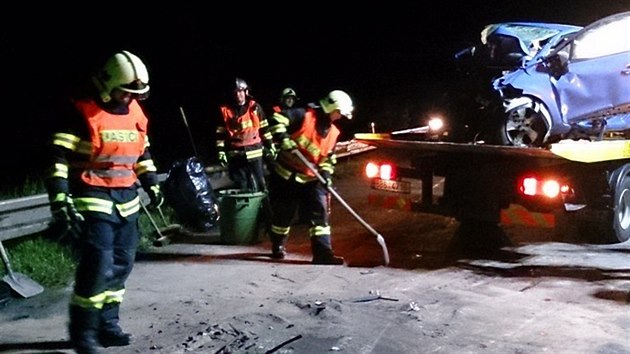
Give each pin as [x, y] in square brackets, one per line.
[546, 187]
[386, 171]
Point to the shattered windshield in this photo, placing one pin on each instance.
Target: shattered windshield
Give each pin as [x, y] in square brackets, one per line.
[531, 37]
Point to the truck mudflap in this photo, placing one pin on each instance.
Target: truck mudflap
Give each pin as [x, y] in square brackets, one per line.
[519, 215]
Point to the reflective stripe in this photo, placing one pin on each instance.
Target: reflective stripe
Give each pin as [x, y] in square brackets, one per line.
[298, 177]
[246, 124]
[280, 118]
[221, 129]
[60, 197]
[283, 172]
[95, 301]
[264, 123]
[68, 141]
[145, 166]
[253, 154]
[84, 148]
[220, 143]
[94, 204]
[108, 173]
[280, 230]
[319, 231]
[116, 159]
[60, 170]
[277, 129]
[305, 143]
[129, 208]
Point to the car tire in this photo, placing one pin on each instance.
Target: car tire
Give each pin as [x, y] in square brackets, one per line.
[525, 123]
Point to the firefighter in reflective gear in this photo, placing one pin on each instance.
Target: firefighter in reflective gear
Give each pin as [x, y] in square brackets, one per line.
[312, 132]
[97, 157]
[243, 139]
[288, 98]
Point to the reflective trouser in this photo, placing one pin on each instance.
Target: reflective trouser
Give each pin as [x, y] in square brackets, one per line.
[286, 196]
[247, 174]
[108, 250]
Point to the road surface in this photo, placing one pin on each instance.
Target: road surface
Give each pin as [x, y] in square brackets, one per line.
[443, 292]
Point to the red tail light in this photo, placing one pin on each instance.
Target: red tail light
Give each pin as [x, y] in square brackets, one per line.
[546, 187]
[384, 171]
[371, 170]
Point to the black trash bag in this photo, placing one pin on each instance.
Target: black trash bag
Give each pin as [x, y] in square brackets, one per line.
[188, 190]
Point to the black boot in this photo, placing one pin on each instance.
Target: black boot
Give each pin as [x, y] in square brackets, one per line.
[84, 329]
[322, 251]
[110, 334]
[278, 250]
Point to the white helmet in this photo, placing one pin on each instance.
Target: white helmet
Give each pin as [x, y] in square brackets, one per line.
[288, 92]
[340, 100]
[123, 71]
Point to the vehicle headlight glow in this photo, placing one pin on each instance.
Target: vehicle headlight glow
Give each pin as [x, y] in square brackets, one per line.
[436, 124]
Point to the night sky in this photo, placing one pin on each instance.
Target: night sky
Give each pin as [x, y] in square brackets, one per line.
[393, 59]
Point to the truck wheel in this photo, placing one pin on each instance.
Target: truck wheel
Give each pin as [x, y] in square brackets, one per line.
[621, 213]
[525, 123]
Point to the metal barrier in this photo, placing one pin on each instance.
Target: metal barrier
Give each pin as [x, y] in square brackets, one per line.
[24, 216]
[30, 215]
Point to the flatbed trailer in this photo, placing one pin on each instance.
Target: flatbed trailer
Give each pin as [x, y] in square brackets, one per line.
[585, 183]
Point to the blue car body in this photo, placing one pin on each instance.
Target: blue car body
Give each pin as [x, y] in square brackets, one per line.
[575, 86]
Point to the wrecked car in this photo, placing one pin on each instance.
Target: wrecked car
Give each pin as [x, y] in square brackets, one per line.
[503, 47]
[576, 86]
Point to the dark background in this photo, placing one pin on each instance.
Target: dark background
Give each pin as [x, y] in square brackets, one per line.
[394, 59]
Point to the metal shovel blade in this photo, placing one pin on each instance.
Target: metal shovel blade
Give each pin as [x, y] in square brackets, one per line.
[23, 285]
[20, 283]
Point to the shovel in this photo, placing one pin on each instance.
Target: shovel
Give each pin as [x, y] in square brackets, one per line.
[19, 282]
[379, 237]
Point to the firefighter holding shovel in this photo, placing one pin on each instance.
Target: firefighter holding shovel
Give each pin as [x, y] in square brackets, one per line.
[311, 132]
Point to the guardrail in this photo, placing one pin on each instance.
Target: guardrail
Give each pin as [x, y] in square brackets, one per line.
[24, 216]
[30, 215]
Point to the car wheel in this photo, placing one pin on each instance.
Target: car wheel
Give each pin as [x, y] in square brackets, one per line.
[525, 124]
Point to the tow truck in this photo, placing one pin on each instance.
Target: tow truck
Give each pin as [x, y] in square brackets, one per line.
[582, 185]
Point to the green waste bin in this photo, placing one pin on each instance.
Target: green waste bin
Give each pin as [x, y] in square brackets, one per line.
[239, 221]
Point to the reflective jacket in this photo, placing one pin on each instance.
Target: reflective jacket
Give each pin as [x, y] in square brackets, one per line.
[116, 144]
[99, 158]
[318, 149]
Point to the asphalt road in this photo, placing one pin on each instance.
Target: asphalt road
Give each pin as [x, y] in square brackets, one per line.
[441, 293]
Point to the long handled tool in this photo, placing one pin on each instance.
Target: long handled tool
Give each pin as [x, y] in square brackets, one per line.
[192, 142]
[379, 238]
[19, 282]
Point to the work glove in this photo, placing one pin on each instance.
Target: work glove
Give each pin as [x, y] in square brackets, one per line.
[222, 157]
[288, 144]
[270, 153]
[327, 176]
[66, 215]
[156, 196]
